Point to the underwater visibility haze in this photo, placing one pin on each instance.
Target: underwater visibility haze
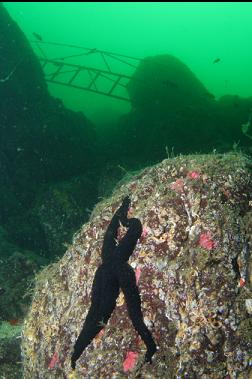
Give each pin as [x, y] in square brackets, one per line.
[198, 33]
[148, 102]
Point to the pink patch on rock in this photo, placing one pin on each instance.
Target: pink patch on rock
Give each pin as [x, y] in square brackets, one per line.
[130, 361]
[193, 175]
[144, 232]
[206, 241]
[242, 282]
[54, 360]
[101, 333]
[178, 186]
[138, 274]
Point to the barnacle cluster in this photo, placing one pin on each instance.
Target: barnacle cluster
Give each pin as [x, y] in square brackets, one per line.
[198, 217]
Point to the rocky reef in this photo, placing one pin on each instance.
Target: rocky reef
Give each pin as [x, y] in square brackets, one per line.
[41, 143]
[164, 82]
[170, 107]
[10, 360]
[17, 279]
[194, 274]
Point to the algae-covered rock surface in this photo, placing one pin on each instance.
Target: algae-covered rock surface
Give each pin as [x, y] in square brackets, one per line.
[194, 277]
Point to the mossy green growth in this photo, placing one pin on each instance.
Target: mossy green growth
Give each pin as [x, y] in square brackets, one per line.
[8, 331]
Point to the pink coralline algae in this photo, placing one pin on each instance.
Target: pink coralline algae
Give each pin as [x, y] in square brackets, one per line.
[206, 241]
[144, 233]
[138, 274]
[193, 175]
[101, 333]
[178, 186]
[130, 361]
[54, 360]
[242, 282]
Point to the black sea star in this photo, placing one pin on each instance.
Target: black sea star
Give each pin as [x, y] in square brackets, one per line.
[115, 273]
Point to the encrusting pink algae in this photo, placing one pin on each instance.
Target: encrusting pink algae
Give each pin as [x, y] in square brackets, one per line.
[194, 273]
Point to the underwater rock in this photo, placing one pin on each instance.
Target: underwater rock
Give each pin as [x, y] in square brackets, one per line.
[234, 111]
[16, 278]
[167, 83]
[42, 142]
[10, 352]
[173, 112]
[169, 107]
[196, 211]
[6, 248]
[60, 210]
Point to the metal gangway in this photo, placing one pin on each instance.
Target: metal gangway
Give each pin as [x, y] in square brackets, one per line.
[89, 69]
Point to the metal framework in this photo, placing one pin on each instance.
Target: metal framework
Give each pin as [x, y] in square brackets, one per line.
[93, 71]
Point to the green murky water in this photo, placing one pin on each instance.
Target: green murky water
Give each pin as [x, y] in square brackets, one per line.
[131, 84]
[196, 33]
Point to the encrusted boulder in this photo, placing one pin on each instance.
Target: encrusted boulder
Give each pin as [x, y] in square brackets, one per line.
[194, 276]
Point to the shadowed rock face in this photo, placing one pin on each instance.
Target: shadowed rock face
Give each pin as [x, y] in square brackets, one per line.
[10, 352]
[164, 82]
[21, 76]
[173, 110]
[169, 108]
[194, 276]
[41, 142]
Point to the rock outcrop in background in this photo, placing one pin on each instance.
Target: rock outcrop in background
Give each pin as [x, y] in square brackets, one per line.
[194, 274]
[41, 143]
[164, 82]
[172, 110]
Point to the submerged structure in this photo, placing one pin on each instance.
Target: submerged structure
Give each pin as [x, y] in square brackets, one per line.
[193, 270]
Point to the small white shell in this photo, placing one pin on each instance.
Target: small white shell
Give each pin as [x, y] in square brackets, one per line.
[248, 304]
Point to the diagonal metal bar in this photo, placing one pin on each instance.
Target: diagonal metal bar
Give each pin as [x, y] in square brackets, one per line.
[88, 49]
[40, 49]
[105, 61]
[58, 77]
[73, 77]
[121, 60]
[114, 85]
[56, 72]
[124, 98]
[82, 67]
[44, 64]
[93, 80]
